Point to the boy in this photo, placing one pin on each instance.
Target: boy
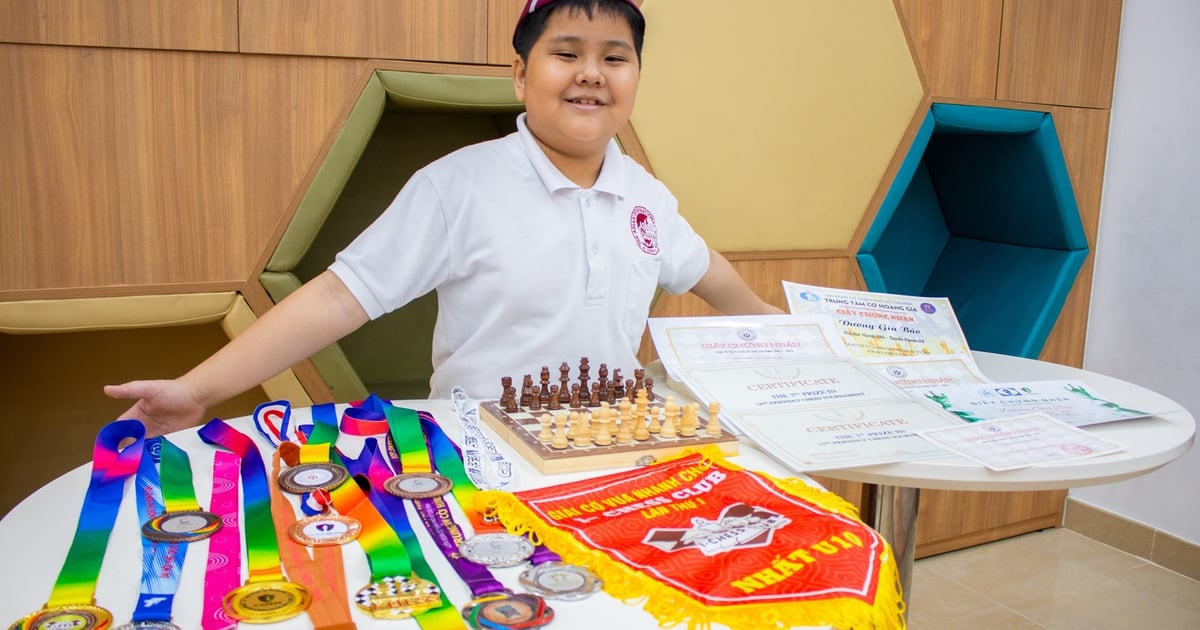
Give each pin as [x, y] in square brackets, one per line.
[543, 245]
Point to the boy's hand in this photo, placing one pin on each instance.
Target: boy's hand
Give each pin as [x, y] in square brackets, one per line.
[163, 406]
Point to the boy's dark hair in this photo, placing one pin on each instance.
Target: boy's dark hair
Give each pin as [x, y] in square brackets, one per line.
[532, 25]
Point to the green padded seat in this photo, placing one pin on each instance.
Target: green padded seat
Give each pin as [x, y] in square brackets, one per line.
[400, 122]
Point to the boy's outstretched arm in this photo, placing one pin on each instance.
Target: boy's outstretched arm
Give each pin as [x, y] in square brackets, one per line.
[316, 315]
[725, 290]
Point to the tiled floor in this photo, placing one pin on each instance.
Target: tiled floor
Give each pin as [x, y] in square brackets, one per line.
[1055, 579]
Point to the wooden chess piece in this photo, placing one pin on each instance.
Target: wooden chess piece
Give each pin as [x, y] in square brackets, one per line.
[640, 432]
[564, 383]
[511, 405]
[526, 390]
[618, 385]
[574, 400]
[668, 425]
[545, 435]
[691, 420]
[535, 398]
[603, 437]
[583, 432]
[641, 404]
[583, 376]
[639, 374]
[603, 376]
[595, 399]
[505, 384]
[650, 388]
[713, 428]
[655, 422]
[552, 399]
[560, 433]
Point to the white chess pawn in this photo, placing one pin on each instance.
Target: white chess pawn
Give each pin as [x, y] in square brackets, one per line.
[713, 428]
[546, 434]
[655, 419]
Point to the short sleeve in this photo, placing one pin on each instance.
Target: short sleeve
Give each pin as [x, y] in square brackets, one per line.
[403, 255]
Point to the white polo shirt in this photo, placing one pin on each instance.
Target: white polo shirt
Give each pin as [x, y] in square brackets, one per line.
[530, 269]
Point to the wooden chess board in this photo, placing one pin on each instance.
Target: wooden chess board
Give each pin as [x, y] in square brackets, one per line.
[521, 428]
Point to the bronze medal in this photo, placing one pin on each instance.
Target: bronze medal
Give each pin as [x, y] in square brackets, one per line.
[496, 549]
[182, 527]
[398, 597]
[266, 602]
[74, 616]
[325, 529]
[418, 485]
[311, 477]
[520, 610]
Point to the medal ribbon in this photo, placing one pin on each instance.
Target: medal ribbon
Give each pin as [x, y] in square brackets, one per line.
[224, 566]
[323, 573]
[405, 427]
[161, 562]
[178, 491]
[479, 463]
[262, 551]
[111, 467]
[391, 509]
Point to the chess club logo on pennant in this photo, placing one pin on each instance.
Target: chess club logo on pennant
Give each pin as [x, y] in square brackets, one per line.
[644, 229]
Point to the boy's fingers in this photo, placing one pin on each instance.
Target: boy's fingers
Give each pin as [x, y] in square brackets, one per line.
[129, 391]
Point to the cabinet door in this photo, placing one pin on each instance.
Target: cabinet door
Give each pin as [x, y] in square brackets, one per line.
[428, 30]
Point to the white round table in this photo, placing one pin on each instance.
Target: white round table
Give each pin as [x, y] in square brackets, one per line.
[36, 534]
[1150, 443]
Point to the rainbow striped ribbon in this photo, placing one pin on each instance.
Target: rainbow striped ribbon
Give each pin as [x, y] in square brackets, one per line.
[372, 465]
[262, 550]
[162, 562]
[111, 467]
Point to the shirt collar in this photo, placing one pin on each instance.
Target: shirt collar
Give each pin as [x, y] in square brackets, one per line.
[612, 177]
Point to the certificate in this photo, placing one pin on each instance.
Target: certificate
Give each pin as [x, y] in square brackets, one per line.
[747, 387]
[817, 415]
[699, 341]
[916, 373]
[880, 432]
[1073, 402]
[1020, 441]
[883, 324]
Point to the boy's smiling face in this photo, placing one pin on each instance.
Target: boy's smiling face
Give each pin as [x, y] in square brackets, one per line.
[579, 85]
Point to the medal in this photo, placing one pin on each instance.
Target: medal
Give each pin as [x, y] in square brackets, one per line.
[266, 602]
[398, 597]
[419, 485]
[555, 580]
[182, 527]
[309, 477]
[496, 549]
[74, 616]
[521, 610]
[325, 529]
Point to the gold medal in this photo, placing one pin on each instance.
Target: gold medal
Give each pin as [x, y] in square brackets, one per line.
[418, 485]
[266, 602]
[325, 529]
[398, 597]
[74, 616]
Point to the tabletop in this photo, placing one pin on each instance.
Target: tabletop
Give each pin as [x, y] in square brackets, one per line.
[36, 534]
[1149, 443]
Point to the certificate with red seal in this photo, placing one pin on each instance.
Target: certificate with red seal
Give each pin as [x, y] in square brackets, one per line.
[736, 547]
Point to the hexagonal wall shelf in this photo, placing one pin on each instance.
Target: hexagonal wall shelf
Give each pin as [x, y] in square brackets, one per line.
[401, 121]
[981, 211]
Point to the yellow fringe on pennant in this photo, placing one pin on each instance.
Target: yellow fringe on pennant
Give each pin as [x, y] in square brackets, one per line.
[672, 608]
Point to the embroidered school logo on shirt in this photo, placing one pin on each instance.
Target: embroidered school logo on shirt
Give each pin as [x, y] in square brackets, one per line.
[645, 231]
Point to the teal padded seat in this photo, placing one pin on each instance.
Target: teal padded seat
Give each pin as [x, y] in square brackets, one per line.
[981, 211]
[400, 122]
